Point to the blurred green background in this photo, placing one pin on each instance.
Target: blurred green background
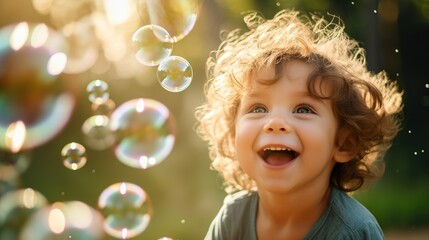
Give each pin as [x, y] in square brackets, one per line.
[184, 192]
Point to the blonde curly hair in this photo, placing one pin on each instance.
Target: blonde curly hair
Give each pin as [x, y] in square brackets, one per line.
[365, 104]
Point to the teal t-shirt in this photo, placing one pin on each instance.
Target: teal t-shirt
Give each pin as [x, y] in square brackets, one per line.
[344, 218]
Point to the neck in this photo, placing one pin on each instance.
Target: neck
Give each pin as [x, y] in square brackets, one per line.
[291, 214]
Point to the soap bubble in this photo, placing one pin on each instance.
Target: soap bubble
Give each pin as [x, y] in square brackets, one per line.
[152, 44]
[126, 208]
[97, 132]
[103, 107]
[64, 220]
[97, 91]
[174, 74]
[16, 207]
[31, 58]
[177, 17]
[74, 155]
[144, 131]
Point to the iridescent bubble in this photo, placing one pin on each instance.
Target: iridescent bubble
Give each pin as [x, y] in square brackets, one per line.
[144, 131]
[16, 207]
[177, 17]
[126, 208]
[31, 58]
[152, 44]
[174, 74]
[97, 132]
[74, 156]
[103, 107]
[97, 91]
[64, 220]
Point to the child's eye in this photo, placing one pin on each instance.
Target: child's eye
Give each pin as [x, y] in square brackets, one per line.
[304, 109]
[258, 109]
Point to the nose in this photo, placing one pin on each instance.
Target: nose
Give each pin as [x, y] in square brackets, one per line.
[276, 125]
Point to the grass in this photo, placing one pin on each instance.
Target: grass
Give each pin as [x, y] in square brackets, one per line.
[398, 205]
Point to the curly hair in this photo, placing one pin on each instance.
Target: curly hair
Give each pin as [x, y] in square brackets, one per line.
[365, 104]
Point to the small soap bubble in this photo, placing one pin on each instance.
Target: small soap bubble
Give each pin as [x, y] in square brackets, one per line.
[183, 221]
[278, 4]
[375, 11]
[396, 50]
[97, 91]
[174, 74]
[126, 208]
[144, 132]
[423, 150]
[153, 44]
[415, 153]
[427, 85]
[74, 156]
[353, 3]
[97, 132]
[409, 131]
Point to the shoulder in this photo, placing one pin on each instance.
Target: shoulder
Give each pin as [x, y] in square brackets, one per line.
[239, 205]
[236, 217]
[346, 218]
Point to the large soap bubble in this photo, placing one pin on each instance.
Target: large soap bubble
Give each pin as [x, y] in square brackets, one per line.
[32, 56]
[144, 131]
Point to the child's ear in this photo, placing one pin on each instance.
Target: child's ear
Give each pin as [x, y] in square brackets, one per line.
[347, 146]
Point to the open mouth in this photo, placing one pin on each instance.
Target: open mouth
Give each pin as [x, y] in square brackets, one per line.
[277, 156]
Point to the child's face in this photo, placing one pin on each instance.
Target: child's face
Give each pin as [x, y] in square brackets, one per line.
[284, 138]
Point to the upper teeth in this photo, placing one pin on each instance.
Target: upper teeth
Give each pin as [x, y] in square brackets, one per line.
[277, 149]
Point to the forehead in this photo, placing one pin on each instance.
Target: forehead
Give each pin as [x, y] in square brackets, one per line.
[296, 71]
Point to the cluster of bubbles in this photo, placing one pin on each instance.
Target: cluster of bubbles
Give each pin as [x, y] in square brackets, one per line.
[154, 47]
[142, 133]
[35, 106]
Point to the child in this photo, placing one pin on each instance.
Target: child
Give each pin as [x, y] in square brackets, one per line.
[295, 121]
